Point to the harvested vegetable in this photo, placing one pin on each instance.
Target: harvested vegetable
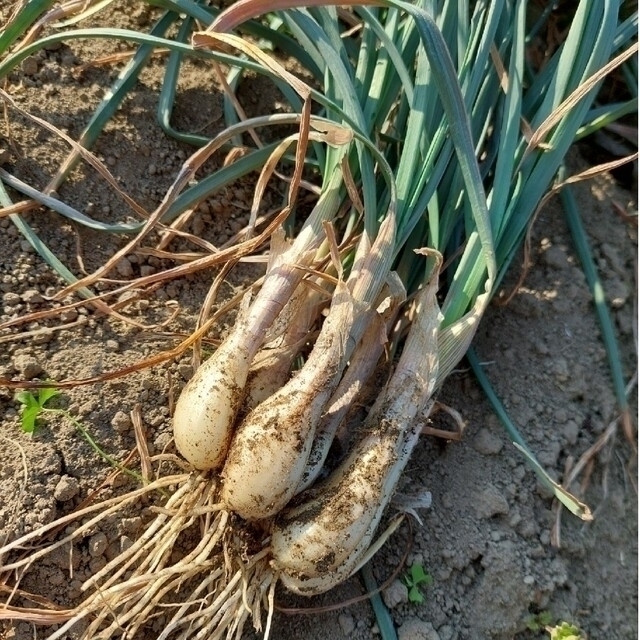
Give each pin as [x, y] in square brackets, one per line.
[432, 140]
[269, 451]
[319, 543]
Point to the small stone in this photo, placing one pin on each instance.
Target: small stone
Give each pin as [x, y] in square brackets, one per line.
[67, 488]
[570, 431]
[98, 544]
[30, 66]
[347, 623]
[185, 371]
[31, 296]
[124, 268]
[152, 169]
[43, 338]
[121, 422]
[396, 593]
[416, 629]
[487, 443]
[111, 345]
[69, 315]
[11, 298]
[28, 366]
[131, 525]
[490, 502]
[153, 418]
[162, 441]
[556, 257]
[147, 270]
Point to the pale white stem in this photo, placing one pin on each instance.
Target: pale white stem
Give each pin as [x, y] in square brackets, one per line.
[271, 446]
[271, 367]
[207, 408]
[361, 366]
[318, 543]
[269, 451]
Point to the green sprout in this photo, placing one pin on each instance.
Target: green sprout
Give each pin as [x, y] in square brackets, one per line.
[34, 408]
[416, 577]
[34, 405]
[562, 631]
[565, 631]
[539, 621]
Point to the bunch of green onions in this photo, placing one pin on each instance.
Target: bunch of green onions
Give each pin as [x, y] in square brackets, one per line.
[431, 142]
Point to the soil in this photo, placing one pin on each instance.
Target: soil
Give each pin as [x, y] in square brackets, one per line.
[486, 540]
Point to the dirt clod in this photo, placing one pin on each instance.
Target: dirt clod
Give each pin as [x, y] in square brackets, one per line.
[416, 629]
[28, 366]
[121, 421]
[487, 442]
[98, 544]
[66, 489]
[490, 502]
[396, 593]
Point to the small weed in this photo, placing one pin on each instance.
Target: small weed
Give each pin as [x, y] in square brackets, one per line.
[562, 631]
[539, 621]
[34, 406]
[414, 579]
[565, 631]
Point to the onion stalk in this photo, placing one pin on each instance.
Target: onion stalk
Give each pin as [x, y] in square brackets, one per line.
[268, 455]
[317, 544]
[207, 408]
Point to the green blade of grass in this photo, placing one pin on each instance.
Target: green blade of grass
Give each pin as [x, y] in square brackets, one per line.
[340, 91]
[574, 505]
[509, 136]
[600, 117]
[540, 167]
[125, 81]
[64, 209]
[40, 247]
[383, 617]
[22, 21]
[581, 244]
[168, 90]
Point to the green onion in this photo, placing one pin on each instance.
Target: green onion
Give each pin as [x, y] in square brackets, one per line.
[429, 140]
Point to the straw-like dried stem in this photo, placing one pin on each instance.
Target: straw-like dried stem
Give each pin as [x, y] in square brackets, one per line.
[212, 589]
